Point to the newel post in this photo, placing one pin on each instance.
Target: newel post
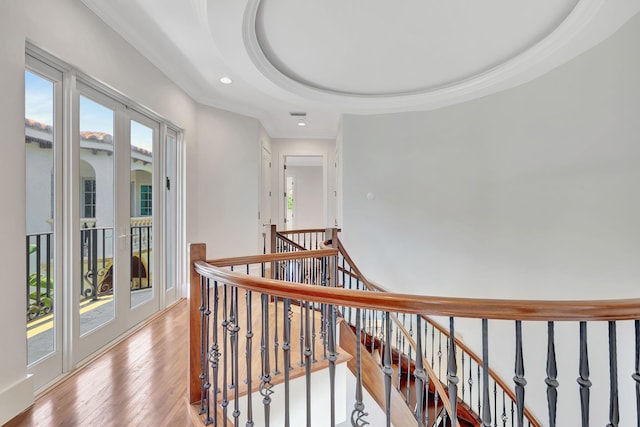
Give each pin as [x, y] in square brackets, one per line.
[273, 231]
[332, 234]
[197, 252]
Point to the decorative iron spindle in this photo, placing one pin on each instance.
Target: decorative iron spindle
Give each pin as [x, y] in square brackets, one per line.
[214, 353]
[265, 379]
[207, 386]
[552, 375]
[387, 370]
[307, 359]
[519, 379]
[358, 414]
[614, 411]
[332, 362]
[419, 374]
[583, 379]
[203, 344]
[503, 416]
[486, 413]
[234, 328]
[276, 344]
[636, 374]
[225, 354]
[248, 355]
[286, 339]
[452, 372]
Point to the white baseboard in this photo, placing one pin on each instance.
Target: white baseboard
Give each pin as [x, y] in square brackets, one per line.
[16, 398]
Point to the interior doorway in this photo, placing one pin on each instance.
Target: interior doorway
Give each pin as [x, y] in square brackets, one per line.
[305, 188]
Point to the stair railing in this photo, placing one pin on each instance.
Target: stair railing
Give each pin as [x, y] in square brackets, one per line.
[441, 361]
[219, 328]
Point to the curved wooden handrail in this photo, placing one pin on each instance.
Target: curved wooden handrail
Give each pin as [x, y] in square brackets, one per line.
[259, 259]
[290, 242]
[304, 230]
[474, 308]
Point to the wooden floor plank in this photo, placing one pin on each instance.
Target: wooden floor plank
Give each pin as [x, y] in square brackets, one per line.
[142, 381]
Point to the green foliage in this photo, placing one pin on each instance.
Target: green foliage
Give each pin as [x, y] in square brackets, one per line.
[45, 305]
[290, 203]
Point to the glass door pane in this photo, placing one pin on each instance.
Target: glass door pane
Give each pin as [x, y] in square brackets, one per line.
[40, 217]
[96, 173]
[141, 206]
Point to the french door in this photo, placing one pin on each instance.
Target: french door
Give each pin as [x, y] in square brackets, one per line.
[102, 217]
[114, 257]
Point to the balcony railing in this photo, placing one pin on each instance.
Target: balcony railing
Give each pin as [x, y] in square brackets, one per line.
[96, 266]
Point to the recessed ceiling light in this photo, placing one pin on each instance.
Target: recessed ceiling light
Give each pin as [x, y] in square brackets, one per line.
[302, 123]
[226, 80]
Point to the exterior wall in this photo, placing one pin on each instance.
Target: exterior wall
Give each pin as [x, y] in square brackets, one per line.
[530, 193]
[304, 147]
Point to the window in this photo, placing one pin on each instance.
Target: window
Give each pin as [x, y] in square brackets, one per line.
[145, 200]
[89, 198]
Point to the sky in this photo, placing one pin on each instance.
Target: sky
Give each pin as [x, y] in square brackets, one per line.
[93, 116]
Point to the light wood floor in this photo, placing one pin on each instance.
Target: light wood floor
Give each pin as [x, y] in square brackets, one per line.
[142, 381]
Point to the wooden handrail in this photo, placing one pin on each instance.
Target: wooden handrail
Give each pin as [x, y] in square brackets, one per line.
[473, 308]
[259, 259]
[290, 242]
[301, 231]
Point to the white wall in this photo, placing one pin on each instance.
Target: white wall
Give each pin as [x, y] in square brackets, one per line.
[529, 193]
[228, 162]
[308, 197]
[304, 147]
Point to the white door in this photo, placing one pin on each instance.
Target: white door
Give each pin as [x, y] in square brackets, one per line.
[171, 217]
[43, 185]
[264, 217]
[114, 286]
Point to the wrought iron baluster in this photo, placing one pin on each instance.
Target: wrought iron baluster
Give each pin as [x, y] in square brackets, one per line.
[203, 348]
[419, 374]
[495, 404]
[583, 379]
[636, 374]
[452, 372]
[462, 370]
[479, 391]
[265, 383]
[301, 363]
[225, 354]
[214, 353]
[207, 380]
[247, 355]
[358, 414]
[307, 359]
[614, 410]
[235, 328]
[332, 361]
[387, 370]
[504, 410]
[276, 343]
[518, 379]
[552, 375]
[286, 319]
[486, 414]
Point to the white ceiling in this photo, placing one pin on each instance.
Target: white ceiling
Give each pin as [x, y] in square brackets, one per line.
[330, 57]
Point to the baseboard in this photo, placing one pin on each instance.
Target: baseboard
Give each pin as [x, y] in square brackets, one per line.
[16, 399]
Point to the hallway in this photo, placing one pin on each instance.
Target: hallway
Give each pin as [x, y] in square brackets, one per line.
[141, 381]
